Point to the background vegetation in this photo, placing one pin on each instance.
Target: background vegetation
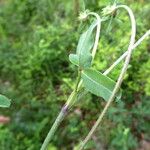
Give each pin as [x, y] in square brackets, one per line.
[36, 38]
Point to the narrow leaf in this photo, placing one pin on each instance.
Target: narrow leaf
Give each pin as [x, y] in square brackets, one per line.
[85, 45]
[4, 101]
[99, 84]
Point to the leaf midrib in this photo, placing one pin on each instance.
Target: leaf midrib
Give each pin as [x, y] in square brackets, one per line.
[97, 83]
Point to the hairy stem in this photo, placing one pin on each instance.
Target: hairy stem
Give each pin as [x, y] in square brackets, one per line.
[120, 79]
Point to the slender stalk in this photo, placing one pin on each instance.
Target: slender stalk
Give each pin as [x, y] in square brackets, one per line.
[53, 129]
[58, 120]
[120, 79]
[125, 54]
[73, 95]
[96, 37]
[120, 59]
[61, 115]
[97, 32]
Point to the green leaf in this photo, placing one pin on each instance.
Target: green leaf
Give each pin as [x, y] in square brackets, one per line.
[4, 101]
[99, 84]
[86, 60]
[85, 45]
[74, 59]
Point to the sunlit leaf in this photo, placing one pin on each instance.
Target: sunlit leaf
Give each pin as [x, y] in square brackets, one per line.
[99, 84]
[4, 101]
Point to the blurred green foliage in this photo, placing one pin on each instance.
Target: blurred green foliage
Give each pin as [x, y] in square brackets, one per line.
[36, 38]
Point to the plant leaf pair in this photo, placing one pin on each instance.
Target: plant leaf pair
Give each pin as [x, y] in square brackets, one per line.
[4, 101]
[83, 56]
[99, 84]
[94, 81]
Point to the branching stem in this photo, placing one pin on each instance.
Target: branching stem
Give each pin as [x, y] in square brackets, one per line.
[121, 58]
[125, 54]
[120, 79]
[73, 95]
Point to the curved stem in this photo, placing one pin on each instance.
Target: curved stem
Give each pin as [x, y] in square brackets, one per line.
[122, 57]
[97, 32]
[72, 97]
[120, 79]
[125, 54]
[96, 37]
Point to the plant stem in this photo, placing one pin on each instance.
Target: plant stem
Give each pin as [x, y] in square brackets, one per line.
[53, 129]
[121, 58]
[73, 95]
[97, 32]
[62, 114]
[78, 79]
[125, 54]
[120, 79]
[58, 120]
[78, 84]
